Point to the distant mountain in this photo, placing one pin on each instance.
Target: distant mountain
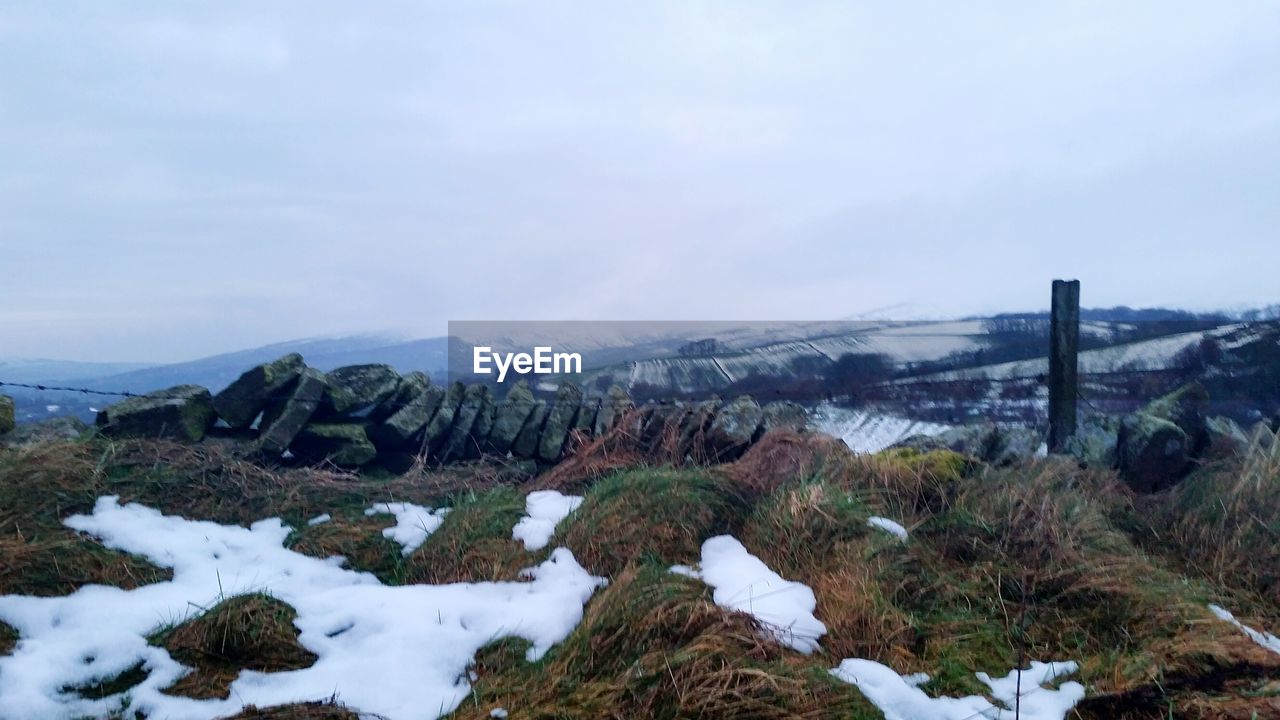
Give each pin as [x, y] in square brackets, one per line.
[40, 370]
[215, 372]
[218, 371]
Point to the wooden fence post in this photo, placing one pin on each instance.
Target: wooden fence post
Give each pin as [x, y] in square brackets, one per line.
[1064, 343]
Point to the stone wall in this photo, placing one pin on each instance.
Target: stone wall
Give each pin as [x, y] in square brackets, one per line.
[357, 415]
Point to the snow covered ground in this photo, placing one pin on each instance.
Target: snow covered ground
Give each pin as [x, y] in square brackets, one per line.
[899, 697]
[868, 431]
[742, 582]
[414, 523]
[1265, 639]
[398, 652]
[544, 509]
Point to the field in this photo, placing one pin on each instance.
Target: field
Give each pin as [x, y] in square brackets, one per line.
[176, 599]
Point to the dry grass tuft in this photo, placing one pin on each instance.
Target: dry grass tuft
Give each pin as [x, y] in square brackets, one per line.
[787, 456]
[328, 710]
[649, 515]
[357, 538]
[474, 542]
[8, 639]
[653, 645]
[1224, 520]
[590, 460]
[246, 632]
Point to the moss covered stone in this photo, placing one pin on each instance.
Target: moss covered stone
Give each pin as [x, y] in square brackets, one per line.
[243, 399]
[184, 412]
[7, 421]
[344, 444]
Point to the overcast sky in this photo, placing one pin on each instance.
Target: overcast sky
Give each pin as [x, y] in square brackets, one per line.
[179, 179]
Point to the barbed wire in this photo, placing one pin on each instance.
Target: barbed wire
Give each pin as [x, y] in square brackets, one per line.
[432, 402]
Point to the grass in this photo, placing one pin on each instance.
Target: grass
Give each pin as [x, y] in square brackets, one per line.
[1224, 520]
[649, 515]
[1041, 560]
[474, 542]
[652, 644]
[245, 632]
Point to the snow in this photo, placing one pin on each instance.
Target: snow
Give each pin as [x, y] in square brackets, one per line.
[544, 509]
[900, 698]
[398, 652]
[320, 519]
[414, 523]
[868, 432]
[888, 526]
[498, 713]
[742, 582]
[1265, 639]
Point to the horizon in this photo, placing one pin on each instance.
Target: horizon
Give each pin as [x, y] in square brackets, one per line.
[393, 338]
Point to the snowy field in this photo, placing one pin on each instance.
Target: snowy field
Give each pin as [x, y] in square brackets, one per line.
[867, 431]
[405, 652]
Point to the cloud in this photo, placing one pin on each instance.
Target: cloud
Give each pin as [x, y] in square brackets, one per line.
[182, 180]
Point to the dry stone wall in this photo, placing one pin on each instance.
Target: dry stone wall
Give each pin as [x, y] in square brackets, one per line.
[361, 414]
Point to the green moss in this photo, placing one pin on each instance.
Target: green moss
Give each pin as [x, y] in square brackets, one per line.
[474, 542]
[798, 526]
[661, 516]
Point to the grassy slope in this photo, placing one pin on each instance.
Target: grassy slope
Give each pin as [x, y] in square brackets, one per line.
[1044, 561]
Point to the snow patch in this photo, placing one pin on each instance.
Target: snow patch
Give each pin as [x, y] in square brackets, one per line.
[869, 432]
[414, 523]
[742, 582]
[397, 652]
[888, 526]
[544, 510]
[1265, 639]
[320, 519]
[900, 698]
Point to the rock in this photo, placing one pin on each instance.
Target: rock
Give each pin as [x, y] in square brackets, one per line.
[410, 389]
[733, 428]
[613, 406]
[693, 429]
[525, 445]
[239, 404]
[356, 387]
[662, 422]
[510, 417]
[783, 414]
[7, 414]
[559, 420]
[184, 412]
[399, 430]
[987, 442]
[474, 400]
[923, 443]
[1224, 438]
[343, 444]
[585, 421]
[1094, 442]
[436, 432]
[282, 420]
[483, 426]
[1013, 445]
[1152, 453]
[59, 428]
[979, 441]
[1184, 407]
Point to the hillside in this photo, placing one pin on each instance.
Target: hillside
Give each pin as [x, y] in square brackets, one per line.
[802, 580]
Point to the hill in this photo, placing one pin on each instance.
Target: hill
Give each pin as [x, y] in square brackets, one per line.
[801, 580]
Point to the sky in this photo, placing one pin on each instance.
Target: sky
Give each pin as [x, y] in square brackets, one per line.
[182, 179]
